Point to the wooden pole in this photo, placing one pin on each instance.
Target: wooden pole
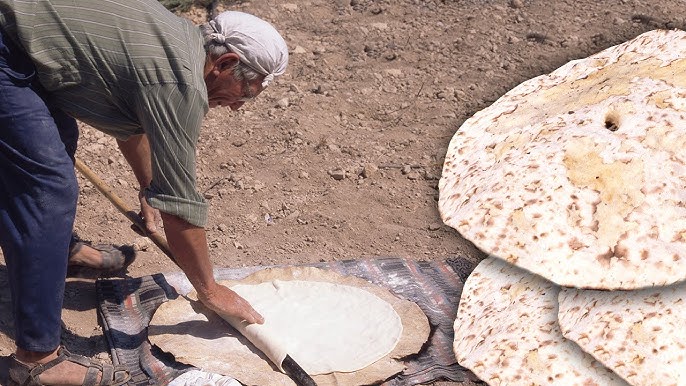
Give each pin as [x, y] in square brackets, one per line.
[102, 186]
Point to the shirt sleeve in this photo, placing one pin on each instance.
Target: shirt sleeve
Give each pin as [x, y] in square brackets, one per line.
[171, 116]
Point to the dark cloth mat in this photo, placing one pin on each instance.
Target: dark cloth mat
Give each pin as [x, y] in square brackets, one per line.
[127, 305]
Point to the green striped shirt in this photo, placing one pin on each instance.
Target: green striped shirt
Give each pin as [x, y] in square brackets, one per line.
[125, 67]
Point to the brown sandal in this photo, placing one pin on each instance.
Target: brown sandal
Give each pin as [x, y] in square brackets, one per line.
[22, 374]
[114, 258]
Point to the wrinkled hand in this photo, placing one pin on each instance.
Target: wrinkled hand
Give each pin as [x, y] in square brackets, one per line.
[226, 302]
[150, 215]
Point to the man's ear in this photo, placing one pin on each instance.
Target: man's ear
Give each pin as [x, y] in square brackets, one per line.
[226, 61]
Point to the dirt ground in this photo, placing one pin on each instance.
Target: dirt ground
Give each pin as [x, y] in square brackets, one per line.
[341, 158]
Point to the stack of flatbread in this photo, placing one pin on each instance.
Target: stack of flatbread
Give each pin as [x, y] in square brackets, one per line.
[574, 183]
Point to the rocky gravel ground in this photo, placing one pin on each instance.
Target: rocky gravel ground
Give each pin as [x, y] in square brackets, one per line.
[341, 158]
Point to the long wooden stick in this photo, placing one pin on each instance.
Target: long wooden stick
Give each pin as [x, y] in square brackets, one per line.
[102, 186]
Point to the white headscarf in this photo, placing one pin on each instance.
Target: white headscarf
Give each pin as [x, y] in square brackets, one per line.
[258, 44]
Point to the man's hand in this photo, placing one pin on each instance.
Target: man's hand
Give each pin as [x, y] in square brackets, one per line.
[150, 215]
[224, 301]
[188, 244]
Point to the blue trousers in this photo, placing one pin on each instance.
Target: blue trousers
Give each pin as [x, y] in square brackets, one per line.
[38, 194]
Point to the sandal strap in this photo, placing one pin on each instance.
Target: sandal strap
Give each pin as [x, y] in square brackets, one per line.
[112, 257]
[62, 355]
[79, 359]
[26, 375]
[91, 378]
[75, 244]
[107, 374]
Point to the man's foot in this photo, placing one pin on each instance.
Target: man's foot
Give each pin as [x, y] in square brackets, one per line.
[60, 367]
[85, 256]
[102, 257]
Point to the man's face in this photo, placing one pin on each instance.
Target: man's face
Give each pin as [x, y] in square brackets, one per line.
[223, 89]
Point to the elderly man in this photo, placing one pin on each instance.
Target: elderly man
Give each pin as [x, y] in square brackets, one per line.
[137, 72]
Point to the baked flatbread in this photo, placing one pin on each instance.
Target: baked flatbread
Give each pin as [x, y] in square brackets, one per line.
[638, 334]
[506, 332]
[579, 175]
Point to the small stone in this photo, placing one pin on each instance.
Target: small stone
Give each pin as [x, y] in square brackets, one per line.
[337, 174]
[516, 4]
[413, 176]
[435, 226]
[369, 170]
[430, 176]
[323, 89]
[283, 103]
[395, 72]
[406, 169]
[269, 219]
[259, 185]
[141, 244]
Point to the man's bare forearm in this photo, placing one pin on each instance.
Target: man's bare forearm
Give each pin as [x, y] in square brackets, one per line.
[136, 150]
[188, 244]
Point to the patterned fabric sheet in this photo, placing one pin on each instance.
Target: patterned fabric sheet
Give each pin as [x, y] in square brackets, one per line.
[127, 305]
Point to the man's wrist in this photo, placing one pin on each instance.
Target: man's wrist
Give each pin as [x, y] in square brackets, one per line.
[206, 291]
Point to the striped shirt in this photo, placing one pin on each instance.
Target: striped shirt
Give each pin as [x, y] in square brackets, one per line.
[125, 67]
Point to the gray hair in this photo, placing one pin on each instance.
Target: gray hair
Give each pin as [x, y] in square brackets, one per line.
[215, 50]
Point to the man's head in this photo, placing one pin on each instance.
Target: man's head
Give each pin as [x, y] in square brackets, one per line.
[244, 54]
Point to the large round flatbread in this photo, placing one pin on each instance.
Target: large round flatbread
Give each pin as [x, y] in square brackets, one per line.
[580, 175]
[324, 327]
[506, 332]
[198, 337]
[638, 334]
